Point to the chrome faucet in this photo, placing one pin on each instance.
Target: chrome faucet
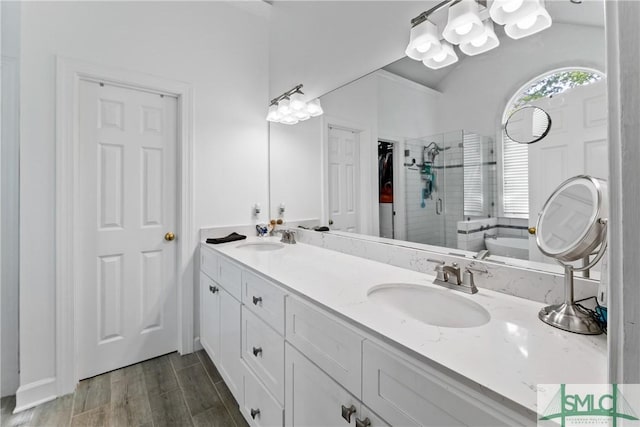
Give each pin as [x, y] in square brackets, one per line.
[449, 277]
[288, 236]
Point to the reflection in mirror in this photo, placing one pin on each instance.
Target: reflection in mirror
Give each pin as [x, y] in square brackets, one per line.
[527, 125]
[572, 224]
[420, 155]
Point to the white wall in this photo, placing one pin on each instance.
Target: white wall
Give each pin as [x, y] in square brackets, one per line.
[9, 189]
[218, 48]
[296, 169]
[326, 44]
[406, 109]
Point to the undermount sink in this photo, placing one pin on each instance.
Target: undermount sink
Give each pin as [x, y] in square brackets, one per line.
[431, 306]
[261, 246]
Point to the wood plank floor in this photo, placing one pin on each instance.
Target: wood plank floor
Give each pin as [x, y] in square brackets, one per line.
[170, 390]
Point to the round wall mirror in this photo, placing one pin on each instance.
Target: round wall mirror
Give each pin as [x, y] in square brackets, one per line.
[568, 226]
[571, 226]
[528, 124]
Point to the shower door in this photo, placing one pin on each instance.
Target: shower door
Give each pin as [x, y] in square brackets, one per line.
[436, 181]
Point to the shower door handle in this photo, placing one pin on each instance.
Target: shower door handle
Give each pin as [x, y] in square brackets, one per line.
[439, 207]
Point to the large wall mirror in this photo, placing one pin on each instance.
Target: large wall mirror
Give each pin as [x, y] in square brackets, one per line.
[419, 155]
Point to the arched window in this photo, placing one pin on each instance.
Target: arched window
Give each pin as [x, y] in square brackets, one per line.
[515, 158]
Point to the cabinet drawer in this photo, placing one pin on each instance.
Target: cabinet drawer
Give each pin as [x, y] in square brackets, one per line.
[229, 276]
[209, 263]
[263, 351]
[327, 342]
[259, 407]
[264, 299]
[312, 397]
[406, 395]
[369, 418]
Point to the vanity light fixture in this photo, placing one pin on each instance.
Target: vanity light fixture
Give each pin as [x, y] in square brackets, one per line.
[290, 107]
[464, 22]
[484, 43]
[446, 56]
[470, 24]
[530, 24]
[424, 41]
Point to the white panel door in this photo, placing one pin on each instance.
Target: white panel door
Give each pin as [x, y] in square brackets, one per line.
[576, 144]
[343, 179]
[127, 189]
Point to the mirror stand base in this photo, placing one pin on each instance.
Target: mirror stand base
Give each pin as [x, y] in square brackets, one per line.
[570, 317]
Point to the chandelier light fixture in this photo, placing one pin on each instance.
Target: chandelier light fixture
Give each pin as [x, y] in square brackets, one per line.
[291, 108]
[470, 25]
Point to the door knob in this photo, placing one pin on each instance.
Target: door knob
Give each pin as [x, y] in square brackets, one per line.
[169, 237]
[532, 230]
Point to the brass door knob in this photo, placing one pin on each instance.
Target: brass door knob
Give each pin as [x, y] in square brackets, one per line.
[532, 230]
[169, 237]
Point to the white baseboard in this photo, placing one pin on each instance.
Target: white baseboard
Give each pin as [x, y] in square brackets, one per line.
[196, 344]
[35, 393]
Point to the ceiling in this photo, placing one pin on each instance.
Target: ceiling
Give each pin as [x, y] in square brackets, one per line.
[587, 13]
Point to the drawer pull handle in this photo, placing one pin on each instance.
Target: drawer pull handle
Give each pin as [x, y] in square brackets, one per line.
[256, 300]
[213, 289]
[347, 412]
[363, 423]
[257, 351]
[255, 413]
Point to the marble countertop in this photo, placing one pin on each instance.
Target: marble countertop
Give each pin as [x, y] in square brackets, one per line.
[510, 355]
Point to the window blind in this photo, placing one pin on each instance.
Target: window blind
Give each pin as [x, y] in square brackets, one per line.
[473, 194]
[515, 178]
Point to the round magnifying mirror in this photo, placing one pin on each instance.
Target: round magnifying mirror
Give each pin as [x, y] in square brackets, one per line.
[568, 227]
[528, 124]
[571, 226]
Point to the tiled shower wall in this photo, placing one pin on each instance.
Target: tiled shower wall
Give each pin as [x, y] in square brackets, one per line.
[424, 225]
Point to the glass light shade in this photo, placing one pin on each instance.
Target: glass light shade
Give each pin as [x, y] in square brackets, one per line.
[446, 57]
[273, 115]
[423, 41]
[464, 22]
[484, 43]
[314, 108]
[507, 12]
[284, 107]
[528, 25]
[302, 115]
[289, 120]
[296, 102]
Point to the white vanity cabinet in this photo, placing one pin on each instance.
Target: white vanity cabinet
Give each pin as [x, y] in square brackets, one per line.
[230, 335]
[210, 316]
[314, 399]
[288, 361]
[220, 317]
[409, 395]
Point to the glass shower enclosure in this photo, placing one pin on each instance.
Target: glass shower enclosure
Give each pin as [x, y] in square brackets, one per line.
[448, 178]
